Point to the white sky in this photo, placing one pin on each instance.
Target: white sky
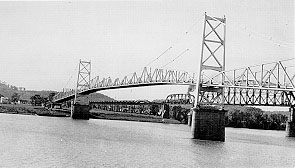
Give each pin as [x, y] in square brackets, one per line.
[42, 42]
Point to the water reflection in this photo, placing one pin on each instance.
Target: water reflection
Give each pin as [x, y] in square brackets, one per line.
[208, 153]
[30, 141]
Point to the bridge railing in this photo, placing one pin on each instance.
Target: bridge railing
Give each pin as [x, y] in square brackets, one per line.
[272, 76]
[270, 84]
[277, 76]
[64, 93]
[146, 77]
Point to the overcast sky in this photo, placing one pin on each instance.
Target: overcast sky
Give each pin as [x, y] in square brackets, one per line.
[42, 42]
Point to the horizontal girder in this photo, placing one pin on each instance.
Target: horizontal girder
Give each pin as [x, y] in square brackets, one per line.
[271, 76]
[248, 96]
[180, 99]
[65, 96]
[263, 85]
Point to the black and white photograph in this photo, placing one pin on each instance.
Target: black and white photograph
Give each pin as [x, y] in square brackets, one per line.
[147, 84]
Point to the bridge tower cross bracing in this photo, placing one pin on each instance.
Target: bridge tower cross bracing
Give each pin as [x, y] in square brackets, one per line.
[212, 55]
[83, 80]
[208, 123]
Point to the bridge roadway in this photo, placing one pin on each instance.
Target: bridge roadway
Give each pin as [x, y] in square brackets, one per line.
[66, 96]
[232, 95]
[262, 85]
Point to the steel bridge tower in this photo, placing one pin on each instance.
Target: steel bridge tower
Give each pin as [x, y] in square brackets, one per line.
[83, 80]
[212, 56]
[208, 123]
[79, 111]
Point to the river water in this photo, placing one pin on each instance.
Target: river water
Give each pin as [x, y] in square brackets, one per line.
[35, 141]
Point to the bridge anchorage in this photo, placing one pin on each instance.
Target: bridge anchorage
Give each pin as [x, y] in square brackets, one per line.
[269, 84]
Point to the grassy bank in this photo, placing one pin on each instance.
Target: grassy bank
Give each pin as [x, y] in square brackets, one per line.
[96, 114]
[30, 110]
[110, 115]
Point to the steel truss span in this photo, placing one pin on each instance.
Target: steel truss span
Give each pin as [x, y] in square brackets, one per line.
[248, 96]
[147, 77]
[261, 85]
[180, 99]
[268, 84]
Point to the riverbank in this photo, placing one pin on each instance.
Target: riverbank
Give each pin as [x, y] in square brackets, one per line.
[247, 118]
[47, 141]
[31, 110]
[94, 114]
[111, 115]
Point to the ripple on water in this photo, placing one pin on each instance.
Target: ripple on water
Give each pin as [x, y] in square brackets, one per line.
[34, 141]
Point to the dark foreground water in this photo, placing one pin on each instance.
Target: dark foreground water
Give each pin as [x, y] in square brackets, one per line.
[34, 141]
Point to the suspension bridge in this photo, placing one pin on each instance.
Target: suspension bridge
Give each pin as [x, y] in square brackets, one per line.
[268, 84]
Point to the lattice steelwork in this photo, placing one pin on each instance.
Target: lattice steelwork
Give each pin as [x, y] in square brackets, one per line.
[212, 56]
[147, 77]
[83, 81]
[268, 84]
[180, 99]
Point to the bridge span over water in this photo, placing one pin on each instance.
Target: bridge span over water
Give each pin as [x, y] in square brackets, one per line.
[148, 77]
[268, 84]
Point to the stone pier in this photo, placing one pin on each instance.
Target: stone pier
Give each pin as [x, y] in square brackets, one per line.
[79, 111]
[290, 125]
[208, 124]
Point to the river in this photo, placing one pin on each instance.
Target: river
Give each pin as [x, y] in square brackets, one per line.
[35, 141]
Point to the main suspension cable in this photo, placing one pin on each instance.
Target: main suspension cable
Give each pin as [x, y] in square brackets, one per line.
[177, 41]
[186, 50]
[248, 31]
[71, 76]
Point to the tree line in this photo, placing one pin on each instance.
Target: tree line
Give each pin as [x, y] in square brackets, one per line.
[239, 117]
[38, 100]
[254, 118]
[35, 100]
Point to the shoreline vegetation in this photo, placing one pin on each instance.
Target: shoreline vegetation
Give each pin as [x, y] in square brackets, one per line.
[94, 114]
[255, 118]
[32, 110]
[111, 115]
[237, 117]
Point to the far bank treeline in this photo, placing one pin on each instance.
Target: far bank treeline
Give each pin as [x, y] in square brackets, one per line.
[242, 117]
[35, 100]
[255, 118]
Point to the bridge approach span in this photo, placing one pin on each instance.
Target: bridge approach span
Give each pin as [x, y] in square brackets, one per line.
[66, 96]
[267, 86]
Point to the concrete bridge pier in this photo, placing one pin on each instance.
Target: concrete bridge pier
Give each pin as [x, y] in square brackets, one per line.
[208, 124]
[79, 111]
[290, 125]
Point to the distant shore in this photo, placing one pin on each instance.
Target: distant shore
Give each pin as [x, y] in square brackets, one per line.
[31, 110]
[111, 115]
[94, 114]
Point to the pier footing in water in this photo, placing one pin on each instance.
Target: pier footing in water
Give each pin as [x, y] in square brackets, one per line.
[208, 124]
[79, 111]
